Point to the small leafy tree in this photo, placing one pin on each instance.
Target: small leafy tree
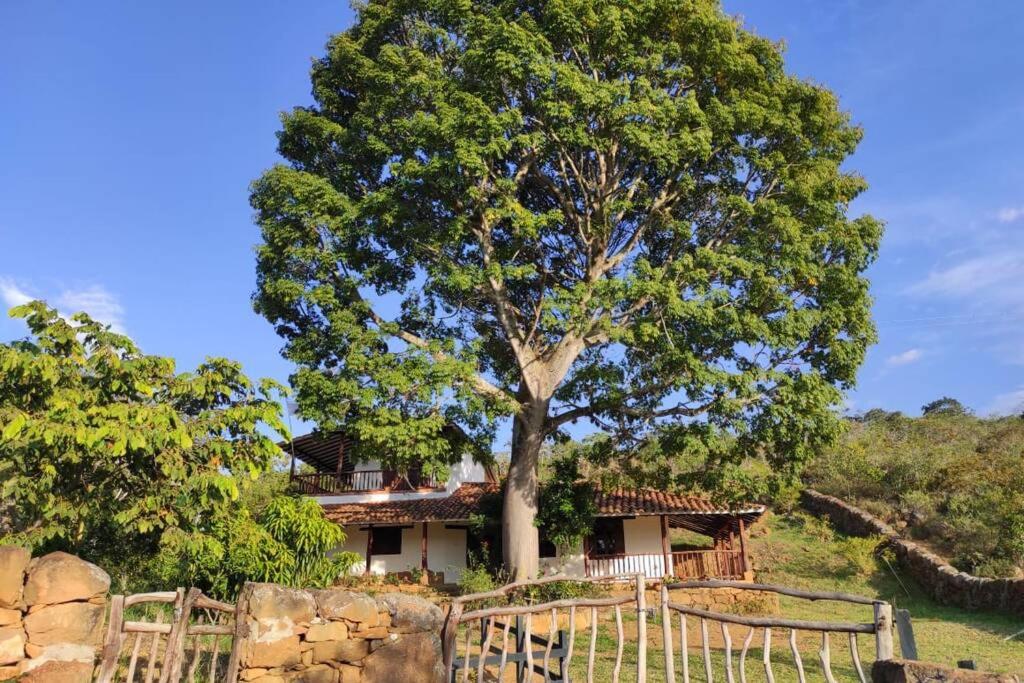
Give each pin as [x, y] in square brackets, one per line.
[618, 211]
[102, 445]
[945, 406]
[567, 503]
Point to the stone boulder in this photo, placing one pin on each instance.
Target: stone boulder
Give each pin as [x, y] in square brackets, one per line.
[283, 652]
[410, 614]
[342, 604]
[12, 645]
[60, 577]
[9, 617]
[59, 672]
[901, 671]
[412, 658]
[73, 622]
[13, 563]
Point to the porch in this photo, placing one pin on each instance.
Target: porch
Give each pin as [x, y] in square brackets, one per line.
[361, 481]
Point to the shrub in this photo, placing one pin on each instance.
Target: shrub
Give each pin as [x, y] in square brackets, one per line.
[861, 554]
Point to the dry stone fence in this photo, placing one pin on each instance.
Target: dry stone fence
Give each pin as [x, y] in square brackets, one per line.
[52, 611]
[943, 582]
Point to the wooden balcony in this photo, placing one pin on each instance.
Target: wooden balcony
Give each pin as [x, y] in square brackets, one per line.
[691, 564]
[361, 481]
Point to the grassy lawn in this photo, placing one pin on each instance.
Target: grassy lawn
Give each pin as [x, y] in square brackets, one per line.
[786, 551]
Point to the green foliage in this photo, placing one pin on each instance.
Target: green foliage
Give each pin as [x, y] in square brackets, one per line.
[100, 443]
[290, 542]
[617, 211]
[952, 479]
[567, 504]
[945, 406]
[476, 578]
[861, 554]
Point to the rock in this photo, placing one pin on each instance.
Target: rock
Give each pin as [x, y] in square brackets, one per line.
[332, 630]
[410, 614]
[899, 671]
[9, 673]
[349, 673]
[60, 577]
[281, 652]
[9, 617]
[13, 563]
[371, 633]
[269, 601]
[61, 652]
[413, 658]
[251, 673]
[340, 650]
[343, 604]
[58, 672]
[73, 622]
[315, 674]
[12, 645]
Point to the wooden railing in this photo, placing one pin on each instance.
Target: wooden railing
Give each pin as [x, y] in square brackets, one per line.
[327, 483]
[691, 564]
[476, 637]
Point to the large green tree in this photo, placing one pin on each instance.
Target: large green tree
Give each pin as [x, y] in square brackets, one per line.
[621, 211]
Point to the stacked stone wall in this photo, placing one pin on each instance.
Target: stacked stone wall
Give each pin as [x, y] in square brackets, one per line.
[900, 671]
[52, 610]
[943, 582]
[338, 636]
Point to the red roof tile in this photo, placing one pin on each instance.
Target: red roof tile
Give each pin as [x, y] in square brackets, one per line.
[465, 501]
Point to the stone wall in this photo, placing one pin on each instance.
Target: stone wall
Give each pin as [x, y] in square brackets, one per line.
[338, 636]
[52, 610]
[945, 583]
[729, 600]
[899, 671]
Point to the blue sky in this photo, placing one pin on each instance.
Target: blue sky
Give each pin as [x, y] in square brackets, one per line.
[129, 133]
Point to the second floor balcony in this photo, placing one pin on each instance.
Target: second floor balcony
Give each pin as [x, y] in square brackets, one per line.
[362, 481]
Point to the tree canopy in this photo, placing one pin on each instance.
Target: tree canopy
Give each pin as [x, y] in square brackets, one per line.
[100, 443]
[621, 212]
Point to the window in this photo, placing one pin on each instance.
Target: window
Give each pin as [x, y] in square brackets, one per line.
[546, 547]
[386, 540]
[608, 538]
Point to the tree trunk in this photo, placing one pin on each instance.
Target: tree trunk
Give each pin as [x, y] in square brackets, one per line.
[519, 538]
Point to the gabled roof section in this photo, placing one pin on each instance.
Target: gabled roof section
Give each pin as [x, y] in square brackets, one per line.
[458, 507]
[692, 512]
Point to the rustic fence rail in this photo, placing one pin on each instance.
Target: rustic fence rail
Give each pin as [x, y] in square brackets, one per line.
[174, 635]
[692, 628]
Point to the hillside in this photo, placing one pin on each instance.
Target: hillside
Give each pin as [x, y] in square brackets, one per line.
[948, 479]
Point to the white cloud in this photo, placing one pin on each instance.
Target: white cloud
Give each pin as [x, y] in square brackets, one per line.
[906, 358]
[12, 294]
[1010, 403]
[998, 274]
[1010, 214]
[100, 304]
[95, 300]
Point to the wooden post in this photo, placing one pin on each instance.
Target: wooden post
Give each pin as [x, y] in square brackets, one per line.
[747, 575]
[369, 548]
[641, 629]
[115, 638]
[341, 459]
[665, 549]
[666, 636]
[174, 654]
[241, 633]
[883, 631]
[425, 579]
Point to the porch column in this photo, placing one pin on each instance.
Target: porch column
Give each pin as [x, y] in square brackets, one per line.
[748, 574]
[369, 549]
[425, 578]
[666, 551]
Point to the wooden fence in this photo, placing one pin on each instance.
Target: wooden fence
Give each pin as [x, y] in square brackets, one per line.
[693, 626]
[696, 564]
[168, 637]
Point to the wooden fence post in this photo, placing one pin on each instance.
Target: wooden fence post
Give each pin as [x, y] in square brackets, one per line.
[241, 634]
[450, 629]
[666, 636]
[114, 640]
[174, 655]
[641, 629]
[883, 631]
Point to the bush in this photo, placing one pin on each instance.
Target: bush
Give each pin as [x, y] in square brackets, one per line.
[861, 554]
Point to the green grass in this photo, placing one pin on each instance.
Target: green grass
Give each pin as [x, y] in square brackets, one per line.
[794, 551]
[789, 555]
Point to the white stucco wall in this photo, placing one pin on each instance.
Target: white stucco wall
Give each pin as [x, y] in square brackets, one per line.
[568, 562]
[446, 551]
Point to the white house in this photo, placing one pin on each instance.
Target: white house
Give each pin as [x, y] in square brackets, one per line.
[409, 523]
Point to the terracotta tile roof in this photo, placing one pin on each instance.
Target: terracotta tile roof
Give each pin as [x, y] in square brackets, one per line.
[622, 501]
[457, 507]
[465, 501]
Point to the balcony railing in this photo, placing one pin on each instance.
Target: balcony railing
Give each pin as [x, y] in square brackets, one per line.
[691, 564]
[329, 483]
